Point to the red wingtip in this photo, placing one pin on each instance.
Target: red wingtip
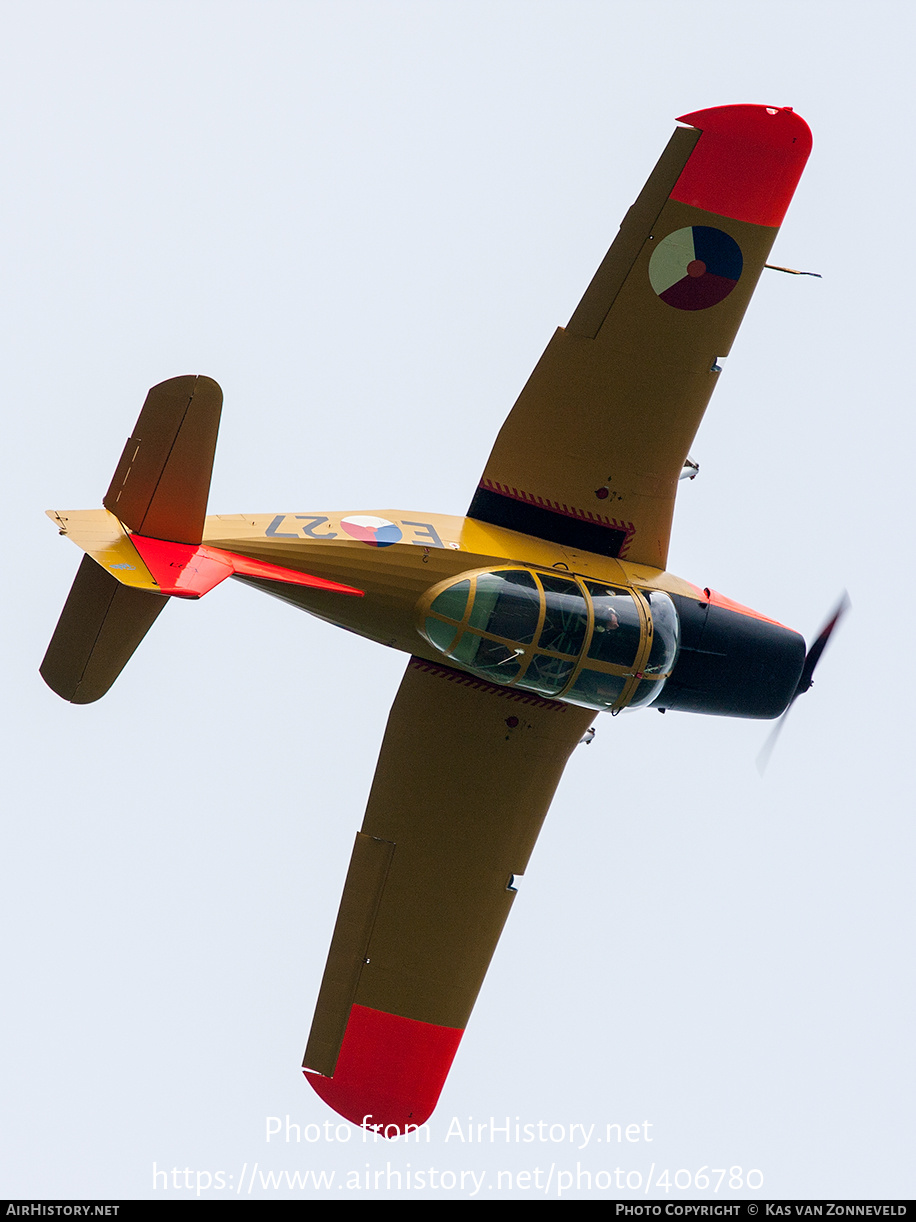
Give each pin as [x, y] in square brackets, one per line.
[390, 1071]
[746, 164]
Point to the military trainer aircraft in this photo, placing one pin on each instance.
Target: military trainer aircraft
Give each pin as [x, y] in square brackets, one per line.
[547, 602]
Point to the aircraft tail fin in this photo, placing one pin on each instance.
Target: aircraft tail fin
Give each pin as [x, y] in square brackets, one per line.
[159, 489]
[102, 623]
[160, 486]
[146, 545]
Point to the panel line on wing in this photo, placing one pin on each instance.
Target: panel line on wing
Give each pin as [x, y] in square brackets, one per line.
[366, 877]
[607, 281]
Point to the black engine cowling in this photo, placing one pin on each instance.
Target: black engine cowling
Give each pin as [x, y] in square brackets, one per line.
[730, 664]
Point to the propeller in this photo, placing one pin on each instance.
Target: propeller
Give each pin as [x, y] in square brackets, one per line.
[806, 679]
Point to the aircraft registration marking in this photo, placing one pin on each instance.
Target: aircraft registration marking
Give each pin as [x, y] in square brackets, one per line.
[374, 532]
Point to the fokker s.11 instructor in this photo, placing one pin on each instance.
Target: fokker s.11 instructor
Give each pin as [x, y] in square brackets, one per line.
[548, 602]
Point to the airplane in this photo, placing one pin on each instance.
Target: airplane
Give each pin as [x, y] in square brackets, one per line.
[547, 602]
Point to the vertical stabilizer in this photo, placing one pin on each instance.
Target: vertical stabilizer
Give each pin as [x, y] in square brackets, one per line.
[159, 490]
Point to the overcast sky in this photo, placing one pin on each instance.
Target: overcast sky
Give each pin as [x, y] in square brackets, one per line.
[365, 220]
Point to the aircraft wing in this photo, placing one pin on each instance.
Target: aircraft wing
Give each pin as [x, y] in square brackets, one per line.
[591, 453]
[465, 777]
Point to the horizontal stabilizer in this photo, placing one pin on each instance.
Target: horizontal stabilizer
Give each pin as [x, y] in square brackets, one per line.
[145, 545]
[160, 486]
[101, 625]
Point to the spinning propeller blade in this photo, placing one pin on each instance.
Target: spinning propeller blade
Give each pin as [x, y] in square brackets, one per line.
[806, 679]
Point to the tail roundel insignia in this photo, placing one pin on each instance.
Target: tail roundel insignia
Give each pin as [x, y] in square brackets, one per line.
[377, 532]
[695, 268]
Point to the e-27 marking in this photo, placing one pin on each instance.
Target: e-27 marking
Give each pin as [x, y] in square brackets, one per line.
[424, 533]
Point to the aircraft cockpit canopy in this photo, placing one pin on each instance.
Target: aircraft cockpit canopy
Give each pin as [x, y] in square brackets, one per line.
[556, 634]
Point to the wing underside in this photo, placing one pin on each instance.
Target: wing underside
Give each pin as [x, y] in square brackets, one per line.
[466, 774]
[591, 453]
